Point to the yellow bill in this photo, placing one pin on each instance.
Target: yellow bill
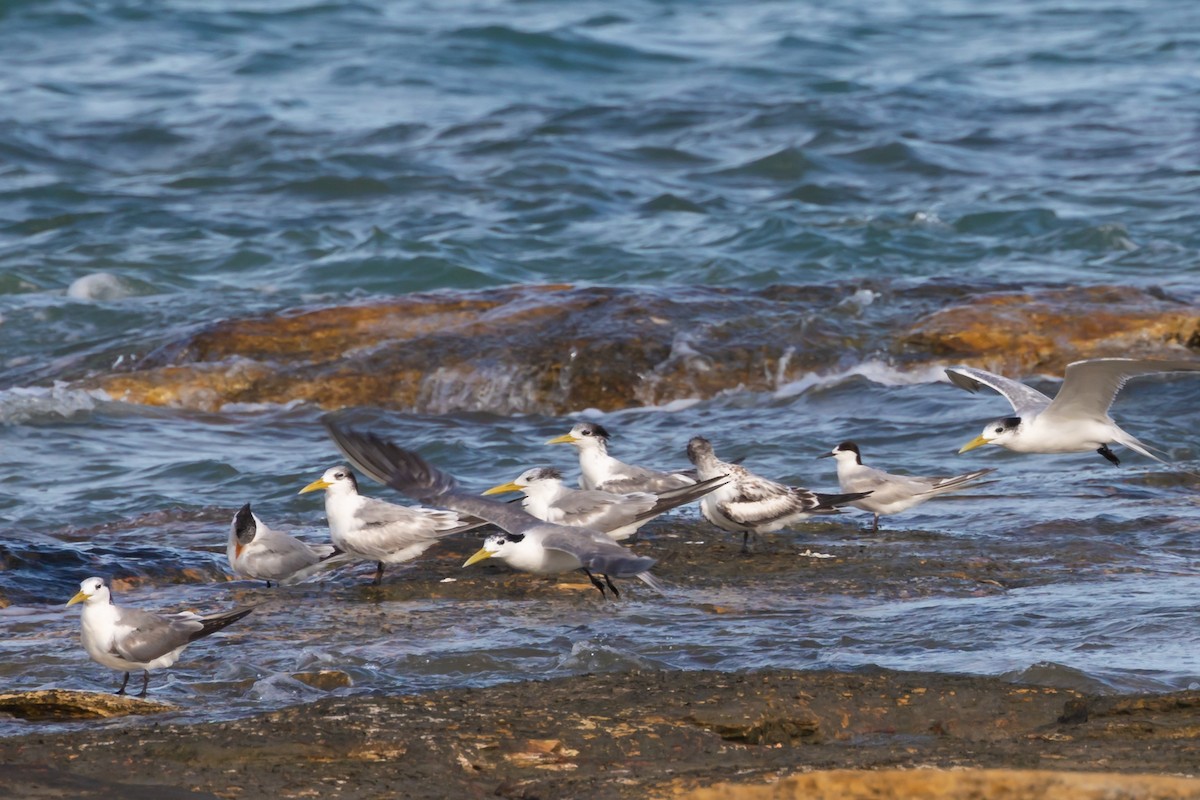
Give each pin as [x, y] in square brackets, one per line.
[566, 438]
[480, 556]
[319, 483]
[505, 487]
[78, 598]
[978, 441]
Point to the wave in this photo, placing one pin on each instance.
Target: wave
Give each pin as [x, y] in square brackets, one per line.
[23, 404]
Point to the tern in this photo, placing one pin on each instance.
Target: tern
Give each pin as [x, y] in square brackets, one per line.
[618, 515]
[377, 530]
[1076, 420]
[128, 639]
[889, 493]
[256, 551]
[599, 470]
[527, 543]
[752, 504]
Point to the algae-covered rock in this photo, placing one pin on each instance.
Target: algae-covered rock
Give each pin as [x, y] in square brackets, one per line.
[65, 704]
[965, 784]
[551, 349]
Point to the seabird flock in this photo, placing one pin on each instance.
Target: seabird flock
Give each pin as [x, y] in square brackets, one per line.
[557, 529]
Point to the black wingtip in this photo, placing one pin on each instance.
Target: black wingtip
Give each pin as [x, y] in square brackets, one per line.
[387, 462]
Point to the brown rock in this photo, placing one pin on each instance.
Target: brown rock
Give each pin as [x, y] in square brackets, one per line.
[1016, 333]
[326, 680]
[550, 349]
[63, 704]
[967, 784]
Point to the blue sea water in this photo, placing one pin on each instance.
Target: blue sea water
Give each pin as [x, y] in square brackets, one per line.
[164, 166]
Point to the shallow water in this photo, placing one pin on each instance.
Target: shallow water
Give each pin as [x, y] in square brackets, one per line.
[162, 171]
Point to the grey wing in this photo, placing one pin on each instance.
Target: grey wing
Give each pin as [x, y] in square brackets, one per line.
[603, 511]
[145, 636]
[596, 551]
[281, 554]
[1089, 387]
[631, 478]
[759, 501]
[1022, 398]
[507, 516]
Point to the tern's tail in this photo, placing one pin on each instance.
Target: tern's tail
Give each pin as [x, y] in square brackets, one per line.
[830, 502]
[217, 622]
[1132, 443]
[958, 481]
[652, 582]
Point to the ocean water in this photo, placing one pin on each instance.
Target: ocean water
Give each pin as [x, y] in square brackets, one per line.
[165, 167]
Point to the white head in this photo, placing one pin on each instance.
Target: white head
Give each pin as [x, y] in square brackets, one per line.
[998, 431]
[337, 480]
[845, 453]
[584, 435]
[498, 545]
[531, 479]
[91, 591]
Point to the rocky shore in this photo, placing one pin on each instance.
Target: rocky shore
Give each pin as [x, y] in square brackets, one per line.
[553, 349]
[649, 734]
[869, 733]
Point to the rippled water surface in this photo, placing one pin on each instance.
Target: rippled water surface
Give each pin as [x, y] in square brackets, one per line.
[164, 168]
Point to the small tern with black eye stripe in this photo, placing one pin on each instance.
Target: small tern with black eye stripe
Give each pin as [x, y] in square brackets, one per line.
[256, 551]
[527, 544]
[129, 639]
[618, 515]
[752, 504]
[599, 470]
[889, 493]
[375, 530]
[1076, 420]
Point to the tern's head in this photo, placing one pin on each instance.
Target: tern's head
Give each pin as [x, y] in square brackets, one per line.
[498, 545]
[245, 526]
[528, 478]
[584, 434]
[336, 480]
[700, 451]
[998, 431]
[91, 591]
[845, 453]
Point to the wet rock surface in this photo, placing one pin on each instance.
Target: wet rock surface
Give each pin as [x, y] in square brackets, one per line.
[552, 349]
[62, 704]
[647, 734]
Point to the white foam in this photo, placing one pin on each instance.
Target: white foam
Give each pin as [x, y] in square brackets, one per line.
[103, 286]
[24, 403]
[875, 371]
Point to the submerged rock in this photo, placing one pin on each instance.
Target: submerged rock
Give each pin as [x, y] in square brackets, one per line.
[1017, 333]
[64, 704]
[553, 349]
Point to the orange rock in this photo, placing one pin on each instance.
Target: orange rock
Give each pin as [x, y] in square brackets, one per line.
[965, 784]
[1017, 333]
[550, 349]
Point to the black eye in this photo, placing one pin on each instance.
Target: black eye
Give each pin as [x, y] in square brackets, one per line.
[340, 475]
[999, 430]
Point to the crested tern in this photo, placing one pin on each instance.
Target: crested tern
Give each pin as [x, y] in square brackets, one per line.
[527, 543]
[128, 639]
[379, 531]
[1076, 420]
[752, 504]
[599, 470]
[890, 493]
[618, 515]
[257, 551]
